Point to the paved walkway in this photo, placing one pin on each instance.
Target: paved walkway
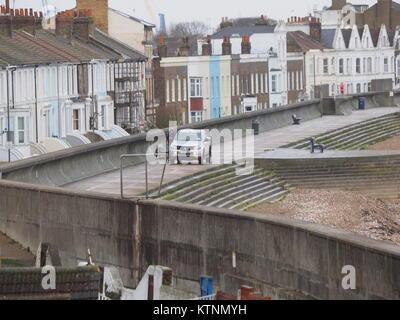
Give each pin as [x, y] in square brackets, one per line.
[134, 177]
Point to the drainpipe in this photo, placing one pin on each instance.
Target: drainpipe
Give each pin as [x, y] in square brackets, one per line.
[115, 97]
[267, 84]
[36, 105]
[315, 81]
[59, 105]
[13, 107]
[8, 116]
[92, 111]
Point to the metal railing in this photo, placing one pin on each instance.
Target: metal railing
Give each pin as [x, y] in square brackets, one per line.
[125, 156]
[206, 298]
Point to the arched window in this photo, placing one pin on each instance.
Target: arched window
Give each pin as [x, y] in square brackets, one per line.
[358, 65]
[358, 87]
[341, 66]
[349, 66]
[369, 65]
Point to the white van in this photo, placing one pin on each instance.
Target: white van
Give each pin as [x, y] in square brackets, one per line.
[190, 146]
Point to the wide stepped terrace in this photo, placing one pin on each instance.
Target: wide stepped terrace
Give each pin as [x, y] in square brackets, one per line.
[228, 186]
[223, 187]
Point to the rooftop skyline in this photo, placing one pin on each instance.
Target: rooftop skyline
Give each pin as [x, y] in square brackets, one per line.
[208, 11]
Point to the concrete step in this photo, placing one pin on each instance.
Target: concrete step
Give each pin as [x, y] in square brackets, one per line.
[389, 175]
[239, 195]
[215, 183]
[272, 194]
[370, 135]
[334, 140]
[343, 132]
[227, 188]
[352, 133]
[345, 185]
[266, 199]
[216, 195]
[189, 181]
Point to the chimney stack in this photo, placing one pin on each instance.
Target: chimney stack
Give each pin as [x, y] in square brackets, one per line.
[226, 47]
[162, 47]
[83, 24]
[207, 47]
[246, 45]
[315, 29]
[78, 23]
[64, 24]
[18, 19]
[7, 6]
[225, 23]
[262, 21]
[100, 12]
[184, 50]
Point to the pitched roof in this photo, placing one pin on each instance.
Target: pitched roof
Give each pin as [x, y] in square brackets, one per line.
[360, 32]
[327, 37]
[173, 45]
[347, 36]
[121, 48]
[305, 42]
[243, 31]
[45, 47]
[375, 36]
[145, 23]
[391, 34]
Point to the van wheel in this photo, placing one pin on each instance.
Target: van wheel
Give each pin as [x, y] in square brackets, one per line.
[200, 160]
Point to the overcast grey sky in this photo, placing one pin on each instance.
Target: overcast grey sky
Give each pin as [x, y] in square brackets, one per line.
[209, 11]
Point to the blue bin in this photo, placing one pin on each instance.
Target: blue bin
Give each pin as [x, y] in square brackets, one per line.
[206, 286]
[361, 103]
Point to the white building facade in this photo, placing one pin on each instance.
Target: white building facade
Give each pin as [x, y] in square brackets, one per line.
[42, 103]
[353, 62]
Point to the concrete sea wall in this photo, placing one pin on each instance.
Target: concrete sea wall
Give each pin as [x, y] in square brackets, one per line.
[193, 240]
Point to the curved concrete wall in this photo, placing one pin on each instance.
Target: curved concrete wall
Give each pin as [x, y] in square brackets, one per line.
[64, 167]
[74, 164]
[270, 250]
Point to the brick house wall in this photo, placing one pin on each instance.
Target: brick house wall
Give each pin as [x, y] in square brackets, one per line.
[170, 88]
[249, 78]
[295, 79]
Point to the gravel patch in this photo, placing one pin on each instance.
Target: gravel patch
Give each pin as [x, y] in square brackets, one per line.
[344, 210]
[389, 144]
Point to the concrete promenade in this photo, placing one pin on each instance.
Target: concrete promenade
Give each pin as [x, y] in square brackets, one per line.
[134, 177]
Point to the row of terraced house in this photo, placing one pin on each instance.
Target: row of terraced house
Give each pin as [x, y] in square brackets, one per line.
[64, 87]
[92, 74]
[244, 69]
